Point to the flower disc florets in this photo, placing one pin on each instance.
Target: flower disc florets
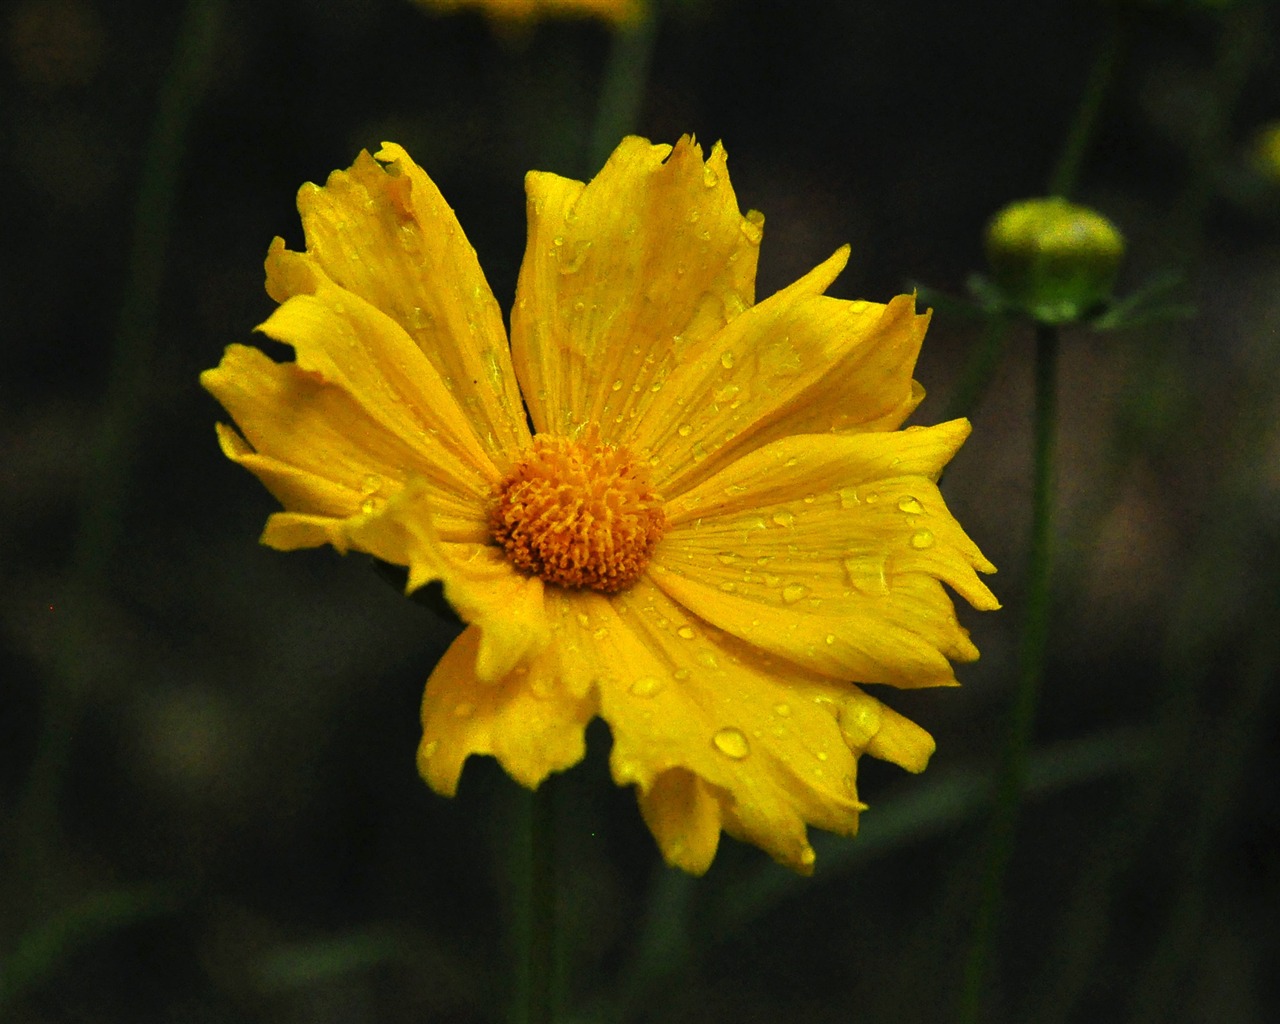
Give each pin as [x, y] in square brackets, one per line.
[578, 514]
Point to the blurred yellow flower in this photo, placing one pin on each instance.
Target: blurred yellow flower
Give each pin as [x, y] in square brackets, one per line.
[619, 12]
[1266, 151]
[714, 524]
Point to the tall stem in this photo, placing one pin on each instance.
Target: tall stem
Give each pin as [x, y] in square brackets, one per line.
[1035, 635]
[536, 988]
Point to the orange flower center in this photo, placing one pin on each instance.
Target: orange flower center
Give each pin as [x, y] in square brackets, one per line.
[578, 514]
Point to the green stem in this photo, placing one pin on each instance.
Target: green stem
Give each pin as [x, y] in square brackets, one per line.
[1102, 75]
[622, 88]
[1035, 635]
[981, 368]
[536, 986]
[112, 446]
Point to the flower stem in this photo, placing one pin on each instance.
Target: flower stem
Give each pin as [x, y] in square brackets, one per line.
[622, 88]
[1035, 635]
[1101, 76]
[535, 995]
[113, 444]
[980, 369]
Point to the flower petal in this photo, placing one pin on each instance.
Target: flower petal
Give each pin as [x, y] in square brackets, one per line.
[506, 607]
[320, 452]
[680, 695]
[829, 551]
[684, 814]
[386, 234]
[799, 362]
[526, 719]
[621, 276]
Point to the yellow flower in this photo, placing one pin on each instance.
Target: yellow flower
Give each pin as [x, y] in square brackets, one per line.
[619, 12]
[715, 525]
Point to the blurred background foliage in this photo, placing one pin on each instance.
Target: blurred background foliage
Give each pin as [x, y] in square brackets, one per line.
[208, 804]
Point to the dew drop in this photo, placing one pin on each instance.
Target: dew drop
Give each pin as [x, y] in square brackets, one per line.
[871, 497]
[617, 385]
[370, 483]
[910, 505]
[732, 743]
[727, 557]
[859, 721]
[709, 176]
[782, 710]
[685, 633]
[726, 360]
[684, 430]
[848, 497]
[830, 639]
[784, 518]
[369, 506]
[645, 686]
[699, 451]
[868, 574]
[792, 592]
[656, 386]
[922, 539]
[706, 657]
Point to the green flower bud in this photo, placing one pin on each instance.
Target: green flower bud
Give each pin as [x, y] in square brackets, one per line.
[1053, 259]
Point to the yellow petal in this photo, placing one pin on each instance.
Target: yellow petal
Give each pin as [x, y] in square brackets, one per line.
[526, 720]
[799, 362]
[386, 234]
[684, 815]
[867, 724]
[829, 551]
[348, 344]
[678, 694]
[505, 606]
[319, 451]
[623, 275]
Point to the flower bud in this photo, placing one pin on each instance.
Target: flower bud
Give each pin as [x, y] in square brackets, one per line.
[1052, 258]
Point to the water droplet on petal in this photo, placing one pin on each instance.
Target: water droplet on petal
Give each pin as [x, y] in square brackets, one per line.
[732, 743]
[709, 176]
[727, 557]
[859, 721]
[848, 497]
[792, 592]
[617, 385]
[910, 505]
[726, 360]
[370, 483]
[830, 639]
[922, 539]
[684, 430]
[868, 574]
[784, 518]
[782, 710]
[645, 686]
[685, 633]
